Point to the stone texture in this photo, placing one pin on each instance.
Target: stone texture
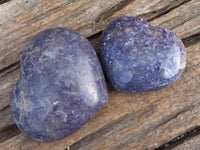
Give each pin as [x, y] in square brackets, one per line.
[61, 86]
[138, 57]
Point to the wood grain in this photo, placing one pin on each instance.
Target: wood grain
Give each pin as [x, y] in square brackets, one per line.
[128, 121]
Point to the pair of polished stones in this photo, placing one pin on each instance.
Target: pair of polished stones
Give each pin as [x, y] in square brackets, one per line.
[62, 86]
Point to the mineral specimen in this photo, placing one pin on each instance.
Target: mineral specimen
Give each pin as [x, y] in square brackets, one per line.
[138, 57]
[61, 86]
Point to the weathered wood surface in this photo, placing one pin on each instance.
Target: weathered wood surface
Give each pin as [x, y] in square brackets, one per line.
[128, 121]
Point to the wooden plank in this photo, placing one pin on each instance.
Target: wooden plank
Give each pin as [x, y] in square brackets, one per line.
[145, 120]
[184, 20]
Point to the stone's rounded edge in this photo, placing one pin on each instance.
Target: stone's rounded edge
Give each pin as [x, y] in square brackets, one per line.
[15, 111]
[96, 70]
[110, 46]
[12, 106]
[125, 19]
[182, 50]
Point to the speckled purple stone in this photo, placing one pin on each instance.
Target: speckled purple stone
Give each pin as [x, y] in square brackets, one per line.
[61, 86]
[138, 57]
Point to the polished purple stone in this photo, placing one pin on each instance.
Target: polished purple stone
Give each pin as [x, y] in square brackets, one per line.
[138, 57]
[61, 86]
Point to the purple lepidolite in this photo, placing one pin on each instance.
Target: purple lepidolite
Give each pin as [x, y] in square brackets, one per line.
[61, 86]
[138, 57]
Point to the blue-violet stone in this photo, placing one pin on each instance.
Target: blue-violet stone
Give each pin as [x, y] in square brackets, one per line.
[61, 86]
[138, 57]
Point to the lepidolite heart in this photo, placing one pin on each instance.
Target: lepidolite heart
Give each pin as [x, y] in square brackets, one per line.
[138, 57]
[61, 86]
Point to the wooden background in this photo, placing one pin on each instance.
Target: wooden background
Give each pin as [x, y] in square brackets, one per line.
[164, 119]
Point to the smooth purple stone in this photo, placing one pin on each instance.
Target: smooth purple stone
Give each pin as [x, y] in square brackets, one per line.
[138, 57]
[61, 86]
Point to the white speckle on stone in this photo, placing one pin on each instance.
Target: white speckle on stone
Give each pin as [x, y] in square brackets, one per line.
[73, 36]
[50, 54]
[63, 114]
[67, 32]
[128, 30]
[168, 73]
[118, 25]
[82, 38]
[56, 102]
[119, 33]
[125, 77]
[108, 36]
[160, 55]
[128, 43]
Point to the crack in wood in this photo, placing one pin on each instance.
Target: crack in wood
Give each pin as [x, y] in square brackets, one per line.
[9, 68]
[186, 20]
[4, 109]
[191, 40]
[9, 132]
[4, 1]
[106, 14]
[175, 115]
[164, 11]
[179, 139]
